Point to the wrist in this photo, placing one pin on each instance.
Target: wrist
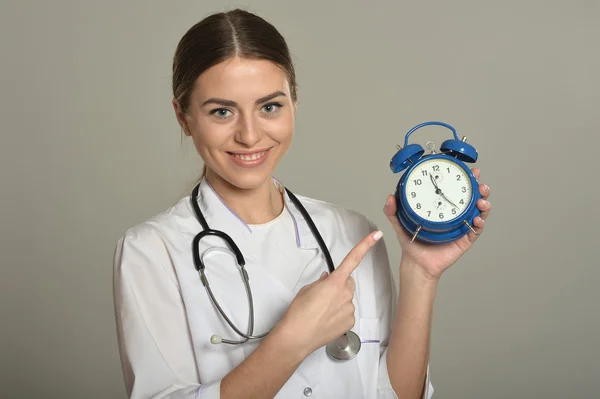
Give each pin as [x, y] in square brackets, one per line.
[413, 271]
[289, 340]
[418, 290]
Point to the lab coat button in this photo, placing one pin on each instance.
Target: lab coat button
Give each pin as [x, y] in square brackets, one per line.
[307, 391]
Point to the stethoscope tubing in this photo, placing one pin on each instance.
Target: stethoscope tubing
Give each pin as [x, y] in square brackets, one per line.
[200, 267]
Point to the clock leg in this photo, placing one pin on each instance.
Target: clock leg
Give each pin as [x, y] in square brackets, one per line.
[416, 232]
[470, 227]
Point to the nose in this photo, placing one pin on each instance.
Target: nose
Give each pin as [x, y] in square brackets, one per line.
[248, 131]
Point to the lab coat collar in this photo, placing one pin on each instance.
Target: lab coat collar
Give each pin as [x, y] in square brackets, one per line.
[220, 217]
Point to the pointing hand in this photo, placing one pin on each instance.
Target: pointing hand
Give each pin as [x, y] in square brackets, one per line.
[323, 310]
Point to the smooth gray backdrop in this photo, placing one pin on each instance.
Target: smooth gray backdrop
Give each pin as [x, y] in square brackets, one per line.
[90, 146]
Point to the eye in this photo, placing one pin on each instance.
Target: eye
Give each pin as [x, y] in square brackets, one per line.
[272, 108]
[221, 112]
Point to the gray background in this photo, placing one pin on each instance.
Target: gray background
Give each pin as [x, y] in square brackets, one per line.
[90, 146]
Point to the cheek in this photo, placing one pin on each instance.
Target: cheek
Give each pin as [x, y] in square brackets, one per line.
[208, 135]
[282, 129]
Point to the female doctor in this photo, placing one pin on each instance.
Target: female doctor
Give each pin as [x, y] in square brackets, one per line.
[234, 92]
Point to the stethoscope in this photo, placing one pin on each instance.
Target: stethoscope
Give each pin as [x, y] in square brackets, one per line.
[343, 348]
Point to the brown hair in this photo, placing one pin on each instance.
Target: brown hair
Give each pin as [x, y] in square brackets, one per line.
[221, 36]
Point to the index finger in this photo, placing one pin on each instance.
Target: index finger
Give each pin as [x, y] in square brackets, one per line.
[355, 256]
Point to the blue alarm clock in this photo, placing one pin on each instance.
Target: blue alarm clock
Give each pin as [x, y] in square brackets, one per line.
[437, 195]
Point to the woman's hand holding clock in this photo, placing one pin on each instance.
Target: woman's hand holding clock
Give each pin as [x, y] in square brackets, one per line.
[433, 259]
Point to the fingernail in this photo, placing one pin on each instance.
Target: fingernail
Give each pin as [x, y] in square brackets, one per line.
[378, 234]
[323, 274]
[387, 201]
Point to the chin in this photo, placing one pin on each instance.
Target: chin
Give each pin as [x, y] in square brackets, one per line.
[248, 180]
[245, 178]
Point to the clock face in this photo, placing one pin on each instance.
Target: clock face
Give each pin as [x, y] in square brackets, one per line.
[438, 190]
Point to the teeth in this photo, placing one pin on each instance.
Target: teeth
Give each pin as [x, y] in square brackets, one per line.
[250, 157]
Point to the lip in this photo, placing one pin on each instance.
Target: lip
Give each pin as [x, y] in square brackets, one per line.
[241, 152]
[249, 163]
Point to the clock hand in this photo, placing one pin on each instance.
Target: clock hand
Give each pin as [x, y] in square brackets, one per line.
[433, 181]
[437, 189]
[447, 199]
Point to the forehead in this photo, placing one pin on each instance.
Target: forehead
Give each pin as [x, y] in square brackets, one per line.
[241, 79]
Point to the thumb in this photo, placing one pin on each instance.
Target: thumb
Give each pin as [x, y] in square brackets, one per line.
[389, 211]
[321, 278]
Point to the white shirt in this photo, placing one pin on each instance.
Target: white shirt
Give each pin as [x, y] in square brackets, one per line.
[165, 317]
[275, 246]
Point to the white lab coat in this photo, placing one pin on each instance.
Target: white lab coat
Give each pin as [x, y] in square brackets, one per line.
[165, 318]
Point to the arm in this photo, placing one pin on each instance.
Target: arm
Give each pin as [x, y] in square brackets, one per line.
[156, 350]
[403, 366]
[154, 342]
[320, 312]
[408, 348]
[421, 268]
[265, 371]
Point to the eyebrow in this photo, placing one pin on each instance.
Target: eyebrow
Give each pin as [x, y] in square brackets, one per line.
[229, 103]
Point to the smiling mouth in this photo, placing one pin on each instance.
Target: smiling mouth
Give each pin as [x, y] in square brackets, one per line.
[249, 157]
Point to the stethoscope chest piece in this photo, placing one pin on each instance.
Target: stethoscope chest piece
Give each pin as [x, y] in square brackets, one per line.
[345, 347]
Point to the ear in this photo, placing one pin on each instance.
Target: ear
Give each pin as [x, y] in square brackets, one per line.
[181, 117]
[296, 102]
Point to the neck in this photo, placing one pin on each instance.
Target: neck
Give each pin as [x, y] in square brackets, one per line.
[254, 206]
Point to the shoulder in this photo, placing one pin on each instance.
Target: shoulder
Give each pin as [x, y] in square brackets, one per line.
[150, 230]
[151, 242]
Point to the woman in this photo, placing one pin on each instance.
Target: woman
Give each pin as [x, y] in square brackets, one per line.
[235, 94]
